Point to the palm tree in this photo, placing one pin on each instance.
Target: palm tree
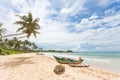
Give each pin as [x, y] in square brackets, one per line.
[5, 40]
[28, 26]
[14, 40]
[5, 43]
[10, 44]
[17, 45]
[34, 46]
[2, 30]
[25, 45]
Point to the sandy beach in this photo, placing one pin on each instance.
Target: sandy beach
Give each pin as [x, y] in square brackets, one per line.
[39, 67]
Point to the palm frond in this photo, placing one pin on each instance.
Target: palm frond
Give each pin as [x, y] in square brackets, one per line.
[30, 17]
[23, 18]
[20, 29]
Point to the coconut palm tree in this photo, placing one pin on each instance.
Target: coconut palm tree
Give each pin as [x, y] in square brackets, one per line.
[10, 44]
[17, 46]
[14, 40]
[34, 46]
[2, 30]
[25, 45]
[29, 25]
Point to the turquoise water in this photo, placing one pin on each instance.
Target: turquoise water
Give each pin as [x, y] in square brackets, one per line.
[100, 55]
[102, 60]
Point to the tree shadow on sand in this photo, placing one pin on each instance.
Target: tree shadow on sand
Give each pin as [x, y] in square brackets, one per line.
[17, 62]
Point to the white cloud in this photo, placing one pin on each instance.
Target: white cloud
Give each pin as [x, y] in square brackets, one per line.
[110, 12]
[104, 3]
[54, 31]
[88, 23]
[16, 2]
[101, 39]
[76, 7]
[94, 16]
[8, 15]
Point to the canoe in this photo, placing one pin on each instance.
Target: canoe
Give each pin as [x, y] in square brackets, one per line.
[64, 60]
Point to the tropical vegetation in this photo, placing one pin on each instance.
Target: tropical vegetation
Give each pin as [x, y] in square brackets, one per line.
[15, 46]
[28, 26]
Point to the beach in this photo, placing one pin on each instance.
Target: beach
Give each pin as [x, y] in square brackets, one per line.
[31, 66]
[102, 60]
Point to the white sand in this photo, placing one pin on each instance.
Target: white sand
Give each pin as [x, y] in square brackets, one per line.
[38, 67]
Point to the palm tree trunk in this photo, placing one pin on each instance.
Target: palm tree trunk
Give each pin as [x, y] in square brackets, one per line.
[12, 35]
[22, 37]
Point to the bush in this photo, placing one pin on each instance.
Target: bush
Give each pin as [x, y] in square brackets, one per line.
[59, 69]
[3, 52]
[0, 51]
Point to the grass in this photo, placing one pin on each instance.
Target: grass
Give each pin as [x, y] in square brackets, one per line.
[8, 52]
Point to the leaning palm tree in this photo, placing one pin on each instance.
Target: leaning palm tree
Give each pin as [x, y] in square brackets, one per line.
[28, 25]
[2, 30]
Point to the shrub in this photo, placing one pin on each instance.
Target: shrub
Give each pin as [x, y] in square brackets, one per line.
[0, 51]
[59, 69]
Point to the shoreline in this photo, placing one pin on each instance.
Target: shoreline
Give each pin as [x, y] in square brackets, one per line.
[107, 64]
[31, 66]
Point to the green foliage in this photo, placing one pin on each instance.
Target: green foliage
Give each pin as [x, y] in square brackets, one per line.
[15, 46]
[0, 51]
[2, 30]
[59, 69]
[58, 51]
[28, 25]
[8, 52]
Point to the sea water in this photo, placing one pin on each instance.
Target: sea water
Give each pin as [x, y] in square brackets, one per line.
[109, 61]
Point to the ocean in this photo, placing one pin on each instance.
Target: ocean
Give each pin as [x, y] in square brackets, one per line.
[108, 61]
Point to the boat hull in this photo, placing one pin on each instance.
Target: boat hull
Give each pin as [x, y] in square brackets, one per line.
[64, 60]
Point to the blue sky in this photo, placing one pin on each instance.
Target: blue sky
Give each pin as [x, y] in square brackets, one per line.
[79, 25]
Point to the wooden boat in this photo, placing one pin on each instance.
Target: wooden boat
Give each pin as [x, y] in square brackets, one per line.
[64, 60]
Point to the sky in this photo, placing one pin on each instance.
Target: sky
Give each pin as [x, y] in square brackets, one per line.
[78, 25]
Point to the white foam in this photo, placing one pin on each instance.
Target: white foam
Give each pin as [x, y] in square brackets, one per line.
[101, 60]
[97, 60]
